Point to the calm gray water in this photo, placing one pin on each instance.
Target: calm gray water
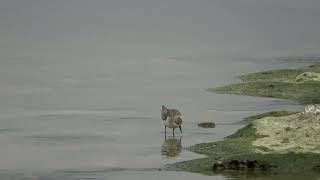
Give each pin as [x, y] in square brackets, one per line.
[82, 83]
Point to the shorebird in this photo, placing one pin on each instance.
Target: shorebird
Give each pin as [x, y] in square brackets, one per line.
[172, 118]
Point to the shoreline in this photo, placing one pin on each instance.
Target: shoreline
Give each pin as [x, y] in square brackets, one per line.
[259, 146]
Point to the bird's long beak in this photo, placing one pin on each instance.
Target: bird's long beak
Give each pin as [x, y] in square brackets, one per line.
[180, 129]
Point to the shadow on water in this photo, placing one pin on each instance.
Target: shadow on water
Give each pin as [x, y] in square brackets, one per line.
[171, 147]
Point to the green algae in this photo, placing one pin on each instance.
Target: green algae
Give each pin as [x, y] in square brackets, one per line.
[273, 75]
[240, 149]
[268, 114]
[295, 133]
[207, 125]
[284, 84]
[273, 142]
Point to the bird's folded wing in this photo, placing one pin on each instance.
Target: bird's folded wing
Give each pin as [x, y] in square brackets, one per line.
[178, 120]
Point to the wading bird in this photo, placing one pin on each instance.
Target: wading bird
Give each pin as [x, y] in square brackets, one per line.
[172, 118]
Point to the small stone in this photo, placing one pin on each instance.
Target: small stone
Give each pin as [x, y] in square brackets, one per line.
[207, 125]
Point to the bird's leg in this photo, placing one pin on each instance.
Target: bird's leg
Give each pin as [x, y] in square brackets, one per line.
[180, 128]
[173, 131]
[165, 131]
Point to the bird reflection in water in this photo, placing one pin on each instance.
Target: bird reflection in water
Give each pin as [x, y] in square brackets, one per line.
[171, 147]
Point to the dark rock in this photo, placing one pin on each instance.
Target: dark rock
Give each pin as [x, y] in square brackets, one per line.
[252, 164]
[233, 164]
[266, 72]
[218, 166]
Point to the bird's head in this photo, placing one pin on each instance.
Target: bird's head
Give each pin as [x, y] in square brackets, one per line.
[164, 112]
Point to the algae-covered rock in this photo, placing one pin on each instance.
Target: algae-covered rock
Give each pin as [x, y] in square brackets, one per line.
[295, 133]
[308, 76]
[300, 85]
[279, 144]
[207, 125]
[268, 114]
[312, 108]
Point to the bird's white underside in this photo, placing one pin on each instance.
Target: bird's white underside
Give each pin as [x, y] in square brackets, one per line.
[170, 122]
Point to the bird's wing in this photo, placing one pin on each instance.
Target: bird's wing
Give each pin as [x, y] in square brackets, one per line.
[176, 112]
[178, 120]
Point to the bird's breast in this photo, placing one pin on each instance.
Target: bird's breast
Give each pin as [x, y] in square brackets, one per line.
[170, 123]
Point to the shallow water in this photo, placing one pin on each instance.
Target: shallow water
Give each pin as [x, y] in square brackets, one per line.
[109, 127]
[81, 84]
